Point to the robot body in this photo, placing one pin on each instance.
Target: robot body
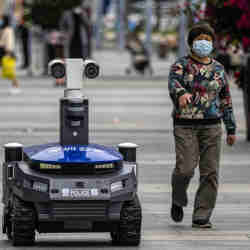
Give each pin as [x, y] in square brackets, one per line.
[73, 185]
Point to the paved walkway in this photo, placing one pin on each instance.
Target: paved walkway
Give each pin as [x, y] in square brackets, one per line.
[137, 111]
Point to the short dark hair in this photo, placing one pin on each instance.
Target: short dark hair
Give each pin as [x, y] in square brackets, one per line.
[198, 29]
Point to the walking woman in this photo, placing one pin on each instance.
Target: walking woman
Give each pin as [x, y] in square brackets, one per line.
[8, 61]
[200, 93]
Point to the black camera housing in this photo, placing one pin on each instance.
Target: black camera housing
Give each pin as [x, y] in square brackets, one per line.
[91, 69]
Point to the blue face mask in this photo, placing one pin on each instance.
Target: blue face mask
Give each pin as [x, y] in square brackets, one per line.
[1, 23]
[202, 48]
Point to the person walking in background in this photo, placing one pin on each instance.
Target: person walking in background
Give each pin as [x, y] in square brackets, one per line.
[25, 41]
[200, 93]
[140, 56]
[8, 61]
[55, 49]
[24, 32]
[76, 26]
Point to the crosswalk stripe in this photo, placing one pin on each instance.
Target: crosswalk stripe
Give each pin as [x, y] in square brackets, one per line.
[122, 92]
[166, 187]
[182, 234]
[149, 208]
[98, 109]
[197, 235]
[30, 125]
[48, 101]
[170, 162]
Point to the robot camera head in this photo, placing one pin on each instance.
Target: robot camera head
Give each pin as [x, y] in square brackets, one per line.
[91, 69]
[87, 68]
[57, 68]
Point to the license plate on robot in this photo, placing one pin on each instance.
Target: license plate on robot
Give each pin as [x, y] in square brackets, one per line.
[77, 193]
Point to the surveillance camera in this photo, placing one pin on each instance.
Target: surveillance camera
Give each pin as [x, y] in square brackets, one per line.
[91, 69]
[57, 68]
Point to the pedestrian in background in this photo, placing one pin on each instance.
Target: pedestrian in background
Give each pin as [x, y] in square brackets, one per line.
[24, 33]
[200, 93]
[76, 26]
[139, 54]
[55, 49]
[8, 60]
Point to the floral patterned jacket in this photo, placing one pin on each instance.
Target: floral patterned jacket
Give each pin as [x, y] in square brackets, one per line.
[209, 87]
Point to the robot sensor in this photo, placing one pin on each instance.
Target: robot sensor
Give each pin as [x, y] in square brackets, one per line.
[57, 68]
[91, 69]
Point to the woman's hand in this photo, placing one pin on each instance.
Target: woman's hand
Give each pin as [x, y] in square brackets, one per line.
[184, 100]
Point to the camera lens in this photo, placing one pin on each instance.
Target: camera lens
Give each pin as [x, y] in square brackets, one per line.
[91, 70]
[58, 70]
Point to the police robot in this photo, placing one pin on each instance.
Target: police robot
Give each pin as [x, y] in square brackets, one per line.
[73, 185]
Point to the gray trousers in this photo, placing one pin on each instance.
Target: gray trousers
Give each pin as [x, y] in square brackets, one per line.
[198, 145]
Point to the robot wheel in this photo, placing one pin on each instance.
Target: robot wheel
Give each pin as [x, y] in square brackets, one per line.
[129, 229]
[21, 225]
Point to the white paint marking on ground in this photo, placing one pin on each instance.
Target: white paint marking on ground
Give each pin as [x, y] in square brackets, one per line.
[166, 187]
[172, 162]
[221, 209]
[191, 235]
[197, 235]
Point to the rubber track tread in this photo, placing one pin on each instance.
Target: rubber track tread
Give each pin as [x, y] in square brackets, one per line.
[22, 224]
[129, 230]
